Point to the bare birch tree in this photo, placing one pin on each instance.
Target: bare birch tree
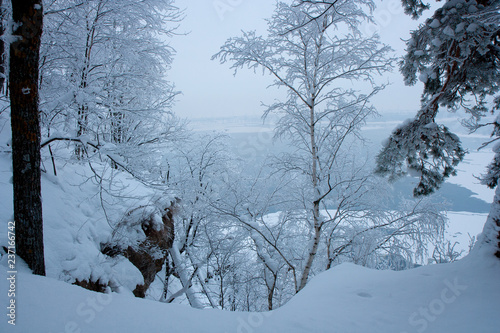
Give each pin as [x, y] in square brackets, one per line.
[317, 65]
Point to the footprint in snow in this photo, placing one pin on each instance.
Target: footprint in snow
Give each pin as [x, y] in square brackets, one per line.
[364, 294]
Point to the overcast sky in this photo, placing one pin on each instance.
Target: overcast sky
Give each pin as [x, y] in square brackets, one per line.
[210, 89]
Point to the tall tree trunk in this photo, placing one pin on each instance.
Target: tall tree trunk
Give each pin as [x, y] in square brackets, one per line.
[312, 254]
[316, 216]
[83, 108]
[24, 55]
[270, 291]
[2, 49]
[184, 277]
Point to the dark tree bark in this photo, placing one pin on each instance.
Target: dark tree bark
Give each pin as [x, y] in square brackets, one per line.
[2, 48]
[24, 56]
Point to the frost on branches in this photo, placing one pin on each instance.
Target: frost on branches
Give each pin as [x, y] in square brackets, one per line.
[455, 53]
[426, 150]
[315, 64]
[103, 80]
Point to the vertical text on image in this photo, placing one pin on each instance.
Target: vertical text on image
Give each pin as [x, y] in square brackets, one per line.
[11, 273]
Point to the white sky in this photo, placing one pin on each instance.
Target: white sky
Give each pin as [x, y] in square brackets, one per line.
[210, 90]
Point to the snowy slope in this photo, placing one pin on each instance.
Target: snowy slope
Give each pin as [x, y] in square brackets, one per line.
[459, 297]
[79, 213]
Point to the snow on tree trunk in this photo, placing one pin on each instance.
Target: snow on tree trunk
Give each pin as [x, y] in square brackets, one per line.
[24, 57]
[316, 215]
[185, 280]
[490, 236]
[82, 120]
[270, 292]
[312, 254]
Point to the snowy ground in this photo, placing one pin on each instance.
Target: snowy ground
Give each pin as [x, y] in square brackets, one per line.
[459, 297]
[462, 227]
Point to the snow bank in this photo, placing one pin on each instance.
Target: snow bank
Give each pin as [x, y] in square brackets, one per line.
[459, 297]
[79, 214]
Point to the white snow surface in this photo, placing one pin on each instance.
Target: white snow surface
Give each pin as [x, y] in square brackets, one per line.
[77, 219]
[473, 166]
[460, 297]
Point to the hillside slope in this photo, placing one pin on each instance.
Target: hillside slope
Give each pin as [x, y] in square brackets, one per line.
[459, 297]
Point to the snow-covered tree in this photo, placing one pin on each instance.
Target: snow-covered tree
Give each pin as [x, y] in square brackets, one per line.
[102, 90]
[196, 168]
[273, 246]
[456, 54]
[357, 227]
[103, 70]
[371, 236]
[315, 63]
